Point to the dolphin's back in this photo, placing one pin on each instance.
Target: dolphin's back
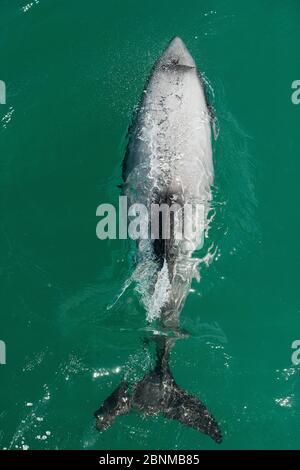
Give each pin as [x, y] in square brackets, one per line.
[170, 141]
[169, 159]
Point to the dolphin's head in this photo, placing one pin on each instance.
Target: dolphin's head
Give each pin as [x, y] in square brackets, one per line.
[176, 55]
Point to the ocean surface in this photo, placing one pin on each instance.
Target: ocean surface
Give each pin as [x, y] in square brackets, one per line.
[71, 320]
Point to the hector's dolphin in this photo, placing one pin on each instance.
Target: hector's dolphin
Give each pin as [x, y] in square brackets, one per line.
[168, 160]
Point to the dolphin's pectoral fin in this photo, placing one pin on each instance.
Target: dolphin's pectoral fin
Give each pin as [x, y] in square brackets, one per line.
[118, 403]
[189, 410]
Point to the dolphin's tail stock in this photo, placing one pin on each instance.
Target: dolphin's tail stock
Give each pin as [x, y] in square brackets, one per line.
[158, 393]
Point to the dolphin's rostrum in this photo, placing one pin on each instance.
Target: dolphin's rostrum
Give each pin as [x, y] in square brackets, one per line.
[168, 160]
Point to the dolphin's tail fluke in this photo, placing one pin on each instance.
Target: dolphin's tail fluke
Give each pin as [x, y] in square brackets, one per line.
[190, 411]
[158, 393]
[118, 403]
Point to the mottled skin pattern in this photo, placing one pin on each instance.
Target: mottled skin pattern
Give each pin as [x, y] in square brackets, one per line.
[168, 159]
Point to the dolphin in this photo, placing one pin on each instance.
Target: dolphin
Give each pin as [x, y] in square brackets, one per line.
[168, 160]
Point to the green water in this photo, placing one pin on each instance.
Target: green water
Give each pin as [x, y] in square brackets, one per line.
[74, 71]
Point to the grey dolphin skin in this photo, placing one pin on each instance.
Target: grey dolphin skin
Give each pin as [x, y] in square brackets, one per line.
[168, 159]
